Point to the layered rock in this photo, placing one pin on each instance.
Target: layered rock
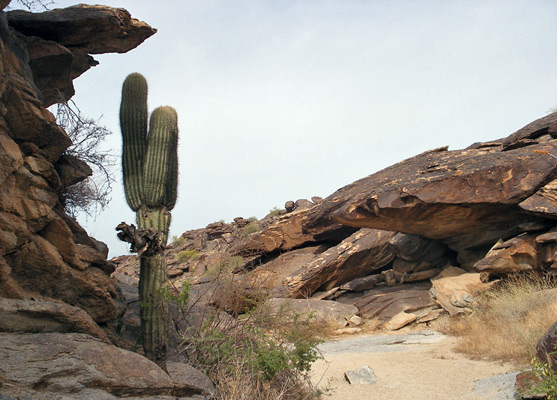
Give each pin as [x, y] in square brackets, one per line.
[467, 198]
[60, 42]
[50, 365]
[46, 258]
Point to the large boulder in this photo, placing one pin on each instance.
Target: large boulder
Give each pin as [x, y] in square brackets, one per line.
[546, 349]
[358, 255]
[468, 198]
[71, 363]
[60, 42]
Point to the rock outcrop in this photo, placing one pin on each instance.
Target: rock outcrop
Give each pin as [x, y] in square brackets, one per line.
[403, 244]
[469, 199]
[56, 295]
[60, 42]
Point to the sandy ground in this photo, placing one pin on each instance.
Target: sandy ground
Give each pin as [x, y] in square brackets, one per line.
[411, 366]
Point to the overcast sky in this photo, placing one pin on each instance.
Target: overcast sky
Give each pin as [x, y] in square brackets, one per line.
[279, 100]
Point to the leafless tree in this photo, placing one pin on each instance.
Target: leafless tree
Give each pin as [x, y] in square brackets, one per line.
[33, 5]
[93, 194]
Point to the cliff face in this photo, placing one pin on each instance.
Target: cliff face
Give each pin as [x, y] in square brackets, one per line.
[44, 254]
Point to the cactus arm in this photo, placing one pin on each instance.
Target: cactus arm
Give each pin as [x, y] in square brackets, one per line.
[133, 123]
[157, 168]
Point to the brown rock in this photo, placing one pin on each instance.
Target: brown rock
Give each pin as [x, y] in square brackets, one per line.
[546, 348]
[51, 65]
[467, 198]
[303, 204]
[188, 380]
[39, 268]
[289, 206]
[322, 311]
[72, 363]
[399, 320]
[28, 316]
[515, 255]
[81, 29]
[454, 289]
[72, 170]
[363, 283]
[271, 274]
[386, 302]
[358, 255]
[59, 235]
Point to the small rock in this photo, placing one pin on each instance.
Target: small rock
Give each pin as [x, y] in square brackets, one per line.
[347, 331]
[303, 204]
[362, 376]
[355, 321]
[289, 206]
[400, 320]
[317, 200]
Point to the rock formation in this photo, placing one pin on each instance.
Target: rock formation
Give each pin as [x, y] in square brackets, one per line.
[425, 233]
[56, 295]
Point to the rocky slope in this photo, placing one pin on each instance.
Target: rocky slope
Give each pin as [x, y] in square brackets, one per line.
[426, 233]
[56, 294]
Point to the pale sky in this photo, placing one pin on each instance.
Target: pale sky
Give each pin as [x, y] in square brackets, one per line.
[279, 100]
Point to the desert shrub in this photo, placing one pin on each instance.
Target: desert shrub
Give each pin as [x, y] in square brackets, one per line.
[177, 241]
[93, 194]
[187, 255]
[509, 319]
[258, 356]
[274, 212]
[251, 228]
[544, 380]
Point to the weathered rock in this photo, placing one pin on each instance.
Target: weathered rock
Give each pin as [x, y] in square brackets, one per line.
[454, 289]
[82, 30]
[399, 320]
[546, 348]
[28, 316]
[516, 255]
[286, 234]
[289, 206]
[322, 311]
[362, 376]
[363, 283]
[358, 255]
[467, 198]
[44, 254]
[547, 249]
[271, 274]
[72, 170]
[386, 302]
[416, 248]
[317, 199]
[70, 363]
[303, 204]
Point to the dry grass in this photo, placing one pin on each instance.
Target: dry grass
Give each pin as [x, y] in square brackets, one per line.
[258, 355]
[508, 320]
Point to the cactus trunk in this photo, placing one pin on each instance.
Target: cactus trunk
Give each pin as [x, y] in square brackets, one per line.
[150, 167]
[153, 308]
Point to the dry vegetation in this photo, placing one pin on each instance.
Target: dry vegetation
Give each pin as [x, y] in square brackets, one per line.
[262, 354]
[508, 320]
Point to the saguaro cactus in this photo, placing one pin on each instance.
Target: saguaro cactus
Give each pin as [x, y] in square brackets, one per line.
[150, 167]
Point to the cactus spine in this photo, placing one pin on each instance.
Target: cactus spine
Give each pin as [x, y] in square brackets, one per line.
[150, 168]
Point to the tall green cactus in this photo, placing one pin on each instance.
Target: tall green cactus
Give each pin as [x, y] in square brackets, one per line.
[150, 167]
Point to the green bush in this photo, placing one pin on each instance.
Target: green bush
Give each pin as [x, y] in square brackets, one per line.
[274, 212]
[545, 380]
[177, 241]
[227, 264]
[186, 255]
[260, 356]
[251, 228]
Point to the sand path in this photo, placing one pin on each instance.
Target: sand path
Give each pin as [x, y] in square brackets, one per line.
[411, 366]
